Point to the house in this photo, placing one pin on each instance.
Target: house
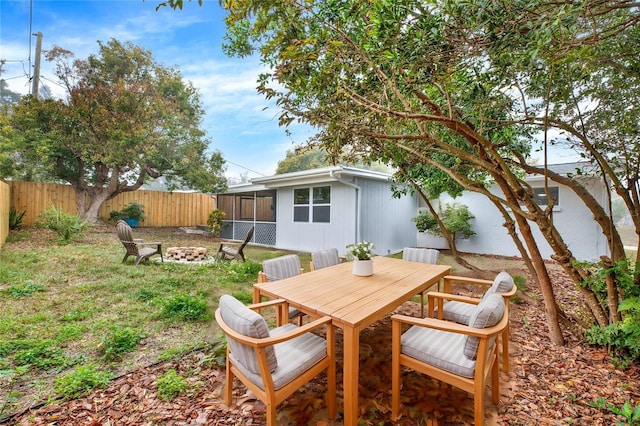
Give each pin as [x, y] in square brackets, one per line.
[336, 206]
[321, 208]
[571, 217]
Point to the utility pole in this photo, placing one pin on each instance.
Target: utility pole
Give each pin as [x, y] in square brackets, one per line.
[36, 69]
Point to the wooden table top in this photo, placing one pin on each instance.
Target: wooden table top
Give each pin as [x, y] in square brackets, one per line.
[351, 300]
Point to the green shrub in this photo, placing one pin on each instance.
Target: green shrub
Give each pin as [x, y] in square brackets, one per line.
[186, 307]
[68, 226]
[80, 381]
[215, 221]
[15, 218]
[170, 385]
[119, 341]
[456, 218]
[132, 210]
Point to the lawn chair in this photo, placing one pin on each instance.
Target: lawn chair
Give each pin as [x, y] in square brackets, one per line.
[238, 254]
[464, 356]
[273, 364]
[324, 258]
[422, 255]
[135, 246]
[278, 269]
[457, 308]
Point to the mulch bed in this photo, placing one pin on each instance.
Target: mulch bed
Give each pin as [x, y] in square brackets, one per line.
[547, 385]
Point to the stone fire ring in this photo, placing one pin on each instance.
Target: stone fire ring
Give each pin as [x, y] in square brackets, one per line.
[186, 254]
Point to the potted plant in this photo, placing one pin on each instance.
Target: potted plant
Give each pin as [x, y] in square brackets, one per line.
[132, 213]
[362, 254]
[456, 218]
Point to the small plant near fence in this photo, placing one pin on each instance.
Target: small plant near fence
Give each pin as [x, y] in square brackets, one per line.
[15, 218]
[215, 221]
[68, 226]
[170, 385]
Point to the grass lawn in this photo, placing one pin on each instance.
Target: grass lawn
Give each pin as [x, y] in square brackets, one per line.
[74, 315]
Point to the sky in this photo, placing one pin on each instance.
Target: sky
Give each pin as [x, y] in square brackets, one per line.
[238, 121]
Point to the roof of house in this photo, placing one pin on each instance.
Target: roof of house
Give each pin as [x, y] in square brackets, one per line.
[308, 177]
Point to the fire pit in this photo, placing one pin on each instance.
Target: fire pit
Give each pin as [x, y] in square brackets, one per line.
[186, 254]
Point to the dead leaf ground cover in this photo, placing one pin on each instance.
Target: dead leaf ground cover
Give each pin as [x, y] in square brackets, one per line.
[548, 385]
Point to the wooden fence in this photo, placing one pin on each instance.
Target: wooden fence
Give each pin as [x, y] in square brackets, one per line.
[5, 203]
[160, 208]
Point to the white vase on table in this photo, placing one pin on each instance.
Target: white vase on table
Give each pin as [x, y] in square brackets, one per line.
[362, 268]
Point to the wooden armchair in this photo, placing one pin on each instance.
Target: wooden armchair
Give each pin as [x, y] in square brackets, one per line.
[324, 258]
[465, 356]
[135, 246]
[459, 309]
[280, 268]
[274, 364]
[225, 251]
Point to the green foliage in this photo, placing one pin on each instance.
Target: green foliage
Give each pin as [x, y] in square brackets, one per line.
[631, 415]
[132, 210]
[119, 341]
[41, 355]
[68, 226]
[25, 290]
[238, 272]
[186, 307]
[623, 337]
[215, 221]
[456, 218]
[80, 381]
[15, 218]
[170, 385]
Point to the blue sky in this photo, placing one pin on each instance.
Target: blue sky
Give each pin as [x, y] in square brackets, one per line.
[239, 122]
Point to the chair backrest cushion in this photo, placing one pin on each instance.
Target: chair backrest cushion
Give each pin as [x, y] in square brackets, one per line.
[487, 314]
[248, 323]
[422, 255]
[325, 258]
[502, 283]
[281, 267]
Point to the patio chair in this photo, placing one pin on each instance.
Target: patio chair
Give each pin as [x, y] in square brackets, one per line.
[324, 258]
[459, 309]
[135, 246]
[273, 364]
[278, 269]
[422, 255]
[238, 254]
[464, 356]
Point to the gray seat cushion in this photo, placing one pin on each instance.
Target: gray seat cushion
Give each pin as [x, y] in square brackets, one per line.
[248, 323]
[325, 258]
[461, 312]
[487, 314]
[294, 356]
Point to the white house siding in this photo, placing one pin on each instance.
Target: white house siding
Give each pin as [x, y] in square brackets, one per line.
[339, 232]
[572, 219]
[386, 221]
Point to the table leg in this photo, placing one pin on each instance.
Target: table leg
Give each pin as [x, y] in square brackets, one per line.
[351, 366]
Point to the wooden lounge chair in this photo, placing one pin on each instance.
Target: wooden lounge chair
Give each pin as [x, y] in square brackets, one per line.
[225, 251]
[464, 356]
[135, 246]
[275, 363]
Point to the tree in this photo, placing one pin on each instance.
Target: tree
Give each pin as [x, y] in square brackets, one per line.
[427, 84]
[126, 119]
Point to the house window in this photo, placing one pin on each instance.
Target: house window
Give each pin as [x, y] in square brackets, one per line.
[540, 196]
[312, 204]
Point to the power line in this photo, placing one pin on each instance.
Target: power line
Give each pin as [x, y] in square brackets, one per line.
[243, 167]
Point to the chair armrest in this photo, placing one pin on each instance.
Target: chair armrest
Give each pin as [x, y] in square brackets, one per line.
[453, 327]
[453, 297]
[450, 279]
[148, 243]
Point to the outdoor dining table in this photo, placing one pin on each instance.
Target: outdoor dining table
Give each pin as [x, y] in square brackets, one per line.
[354, 303]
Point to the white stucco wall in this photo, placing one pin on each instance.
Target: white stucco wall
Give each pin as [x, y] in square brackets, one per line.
[572, 219]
